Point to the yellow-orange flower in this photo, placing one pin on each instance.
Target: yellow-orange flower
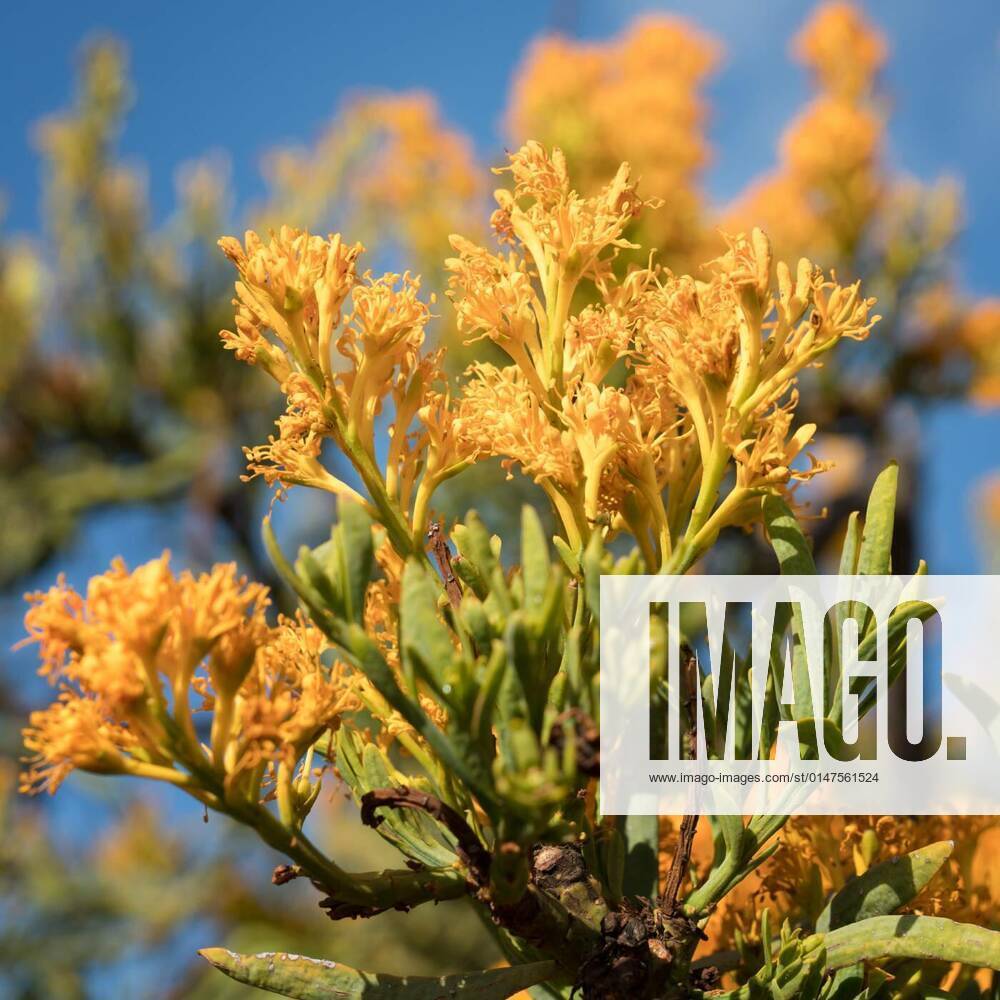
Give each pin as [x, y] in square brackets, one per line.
[558, 227]
[288, 697]
[842, 48]
[73, 732]
[634, 98]
[501, 416]
[294, 285]
[820, 854]
[979, 335]
[386, 164]
[830, 184]
[129, 654]
[706, 368]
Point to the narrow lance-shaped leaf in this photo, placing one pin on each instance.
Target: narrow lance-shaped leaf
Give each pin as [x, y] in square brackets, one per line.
[568, 555]
[641, 836]
[524, 652]
[316, 979]
[535, 562]
[885, 887]
[427, 646]
[473, 542]
[875, 550]
[414, 833]
[849, 553]
[485, 705]
[478, 566]
[795, 558]
[312, 565]
[357, 557]
[317, 605]
[341, 568]
[851, 547]
[593, 558]
[789, 544]
[874, 556]
[909, 936]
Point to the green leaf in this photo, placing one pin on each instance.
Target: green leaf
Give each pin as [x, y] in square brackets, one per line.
[794, 558]
[885, 887]
[909, 936]
[474, 545]
[366, 656]
[874, 557]
[357, 557]
[317, 979]
[485, 706]
[569, 556]
[309, 567]
[473, 618]
[593, 567]
[896, 644]
[527, 658]
[303, 589]
[413, 833]
[535, 562]
[789, 544]
[426, 642]
[851, 548]
[848, 567]
[472, 578]
[340, 569]
[642, 847]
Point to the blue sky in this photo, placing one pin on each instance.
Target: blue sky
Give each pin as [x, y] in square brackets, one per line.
[242, 78]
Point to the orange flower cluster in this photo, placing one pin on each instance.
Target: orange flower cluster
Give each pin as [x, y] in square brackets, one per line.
[979, 335]
[709, 365]
[843, 51]
[133, 656]
[819, 855]
[830, 180]
[634, 98]
[621, 385]
[387, 161]
[341, 345]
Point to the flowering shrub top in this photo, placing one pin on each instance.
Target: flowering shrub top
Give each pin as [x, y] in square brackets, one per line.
[457, 696]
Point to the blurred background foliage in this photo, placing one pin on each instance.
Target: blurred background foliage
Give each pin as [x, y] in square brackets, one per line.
[115, 396]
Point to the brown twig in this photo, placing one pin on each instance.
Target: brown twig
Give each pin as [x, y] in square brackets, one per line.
[442, 556]
[681, 861]
[679, 865]
[470, 850]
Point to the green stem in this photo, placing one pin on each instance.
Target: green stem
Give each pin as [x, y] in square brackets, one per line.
[374, 891]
